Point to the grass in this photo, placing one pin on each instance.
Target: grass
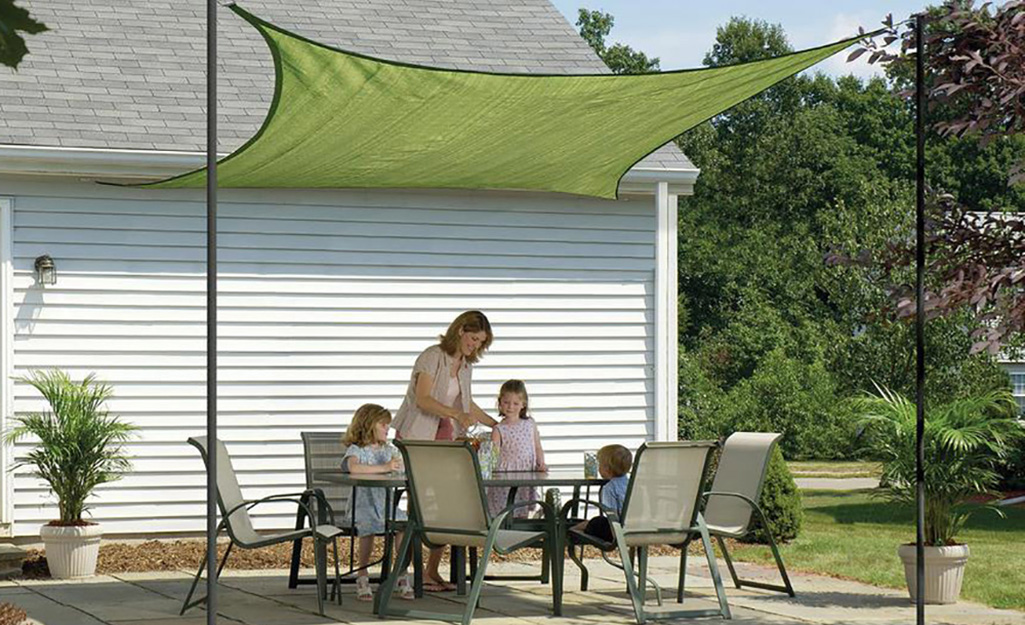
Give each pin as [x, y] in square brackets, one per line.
[855, 536]
[838, 469]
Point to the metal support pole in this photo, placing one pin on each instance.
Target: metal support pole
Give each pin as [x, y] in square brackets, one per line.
[920, 319]
[211, 309]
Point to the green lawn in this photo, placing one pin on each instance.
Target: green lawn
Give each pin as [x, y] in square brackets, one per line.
[855, 536]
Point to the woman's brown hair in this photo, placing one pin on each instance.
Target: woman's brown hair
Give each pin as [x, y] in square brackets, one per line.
[516, 387]
[470, 321]
[361, 430]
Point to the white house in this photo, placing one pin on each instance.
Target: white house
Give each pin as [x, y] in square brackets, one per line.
[326, 296]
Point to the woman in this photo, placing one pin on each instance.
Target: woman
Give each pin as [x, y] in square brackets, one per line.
[438, 404]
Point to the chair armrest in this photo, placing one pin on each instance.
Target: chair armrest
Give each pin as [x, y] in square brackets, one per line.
[253, 503]
[607, 511]
[745, 498]
[322, 501]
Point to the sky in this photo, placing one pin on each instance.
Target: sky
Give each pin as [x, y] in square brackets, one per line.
[680, 32]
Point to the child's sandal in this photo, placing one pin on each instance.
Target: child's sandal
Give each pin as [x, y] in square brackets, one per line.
[363, 592]
[405, 588]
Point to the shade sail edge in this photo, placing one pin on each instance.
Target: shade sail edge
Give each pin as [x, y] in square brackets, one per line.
[340, 119]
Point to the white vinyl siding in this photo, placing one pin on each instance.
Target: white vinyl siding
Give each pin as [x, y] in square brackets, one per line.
[326, 298]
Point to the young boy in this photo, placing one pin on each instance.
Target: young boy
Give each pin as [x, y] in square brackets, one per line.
[614, 463]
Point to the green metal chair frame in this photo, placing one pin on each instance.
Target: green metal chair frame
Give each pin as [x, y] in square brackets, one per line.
[236, 521]
[729, 522]
[490, 531]
[629, 530]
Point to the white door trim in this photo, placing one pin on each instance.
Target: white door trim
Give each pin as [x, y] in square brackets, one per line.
[6, 360]
[666, 304]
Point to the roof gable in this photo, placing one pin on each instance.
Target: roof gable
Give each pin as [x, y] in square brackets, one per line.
[130, 74]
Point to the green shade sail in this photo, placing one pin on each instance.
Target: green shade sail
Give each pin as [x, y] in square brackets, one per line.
[343, 120]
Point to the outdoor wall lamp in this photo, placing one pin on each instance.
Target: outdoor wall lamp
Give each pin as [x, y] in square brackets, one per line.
[46, 270]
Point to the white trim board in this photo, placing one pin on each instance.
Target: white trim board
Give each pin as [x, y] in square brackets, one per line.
[6, 359]
[666, 304]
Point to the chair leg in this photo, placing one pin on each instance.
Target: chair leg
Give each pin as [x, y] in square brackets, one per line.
[713, 568]
[779, 563]
[384, 592]
[224, 560]
[628, 571]
[337, 586]
[320, 561]
[572, 549]
[478, 580]
[729, 560]
[786, 587]
[683, 571]
[642, 572]
[195, 581]
[546, 552]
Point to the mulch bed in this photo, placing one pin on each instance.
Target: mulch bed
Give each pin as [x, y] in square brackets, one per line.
[178, 555]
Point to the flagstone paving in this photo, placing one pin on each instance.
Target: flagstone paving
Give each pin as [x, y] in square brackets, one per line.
[262, 598]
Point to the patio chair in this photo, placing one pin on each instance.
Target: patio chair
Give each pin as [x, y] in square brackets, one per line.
[662, 507]
[322, 451]
[448, 507]
[236, 520]
[731, 505]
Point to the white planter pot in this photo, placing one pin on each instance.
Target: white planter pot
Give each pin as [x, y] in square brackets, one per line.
[944, 572]
[71, 550]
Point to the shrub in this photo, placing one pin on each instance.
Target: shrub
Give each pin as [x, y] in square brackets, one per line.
[784, 395]
[1012, 473]
[780, 501]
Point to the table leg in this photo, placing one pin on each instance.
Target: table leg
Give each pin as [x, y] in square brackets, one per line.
[458, 560]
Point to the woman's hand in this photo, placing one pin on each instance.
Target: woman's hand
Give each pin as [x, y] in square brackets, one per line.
[465, 419]
[395, 466]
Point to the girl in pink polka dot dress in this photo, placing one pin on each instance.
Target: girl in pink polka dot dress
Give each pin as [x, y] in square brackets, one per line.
[519, 446]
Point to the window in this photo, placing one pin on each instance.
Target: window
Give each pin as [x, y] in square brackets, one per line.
[1018, 388]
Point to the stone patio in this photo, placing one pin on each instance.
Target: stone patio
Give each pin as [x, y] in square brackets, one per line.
[262, 598]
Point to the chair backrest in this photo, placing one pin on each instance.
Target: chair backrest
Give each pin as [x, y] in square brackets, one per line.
[664, 493]
[447, 494]
[324, 450]
[742, 466]
[229, 495]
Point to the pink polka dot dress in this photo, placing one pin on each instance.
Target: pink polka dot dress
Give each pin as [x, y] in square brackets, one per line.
[516, 453]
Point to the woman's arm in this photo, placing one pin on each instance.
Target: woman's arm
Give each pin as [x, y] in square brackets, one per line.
[427, 403]
[481, 416]
[357, 467]
[539, 452]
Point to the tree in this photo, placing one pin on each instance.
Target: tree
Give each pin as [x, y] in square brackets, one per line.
[13, 20]
[771, 336]
[975, 63]
[594, 27]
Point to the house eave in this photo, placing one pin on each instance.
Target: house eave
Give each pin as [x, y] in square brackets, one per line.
[94, 163]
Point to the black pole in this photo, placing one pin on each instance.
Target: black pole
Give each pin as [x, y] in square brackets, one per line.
[211, 311]
[920, 320]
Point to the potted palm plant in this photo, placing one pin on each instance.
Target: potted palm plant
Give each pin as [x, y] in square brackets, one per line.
[79, 446]
[965, 441]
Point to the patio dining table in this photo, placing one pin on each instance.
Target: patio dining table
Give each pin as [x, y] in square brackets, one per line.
[513, 480]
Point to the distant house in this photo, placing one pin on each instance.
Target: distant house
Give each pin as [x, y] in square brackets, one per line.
[326, 296]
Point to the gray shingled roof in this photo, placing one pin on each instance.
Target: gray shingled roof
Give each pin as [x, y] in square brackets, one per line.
[129, 74]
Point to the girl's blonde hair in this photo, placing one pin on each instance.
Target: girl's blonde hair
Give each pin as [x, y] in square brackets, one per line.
[361, 430]
[470, 321]
[519, 388]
